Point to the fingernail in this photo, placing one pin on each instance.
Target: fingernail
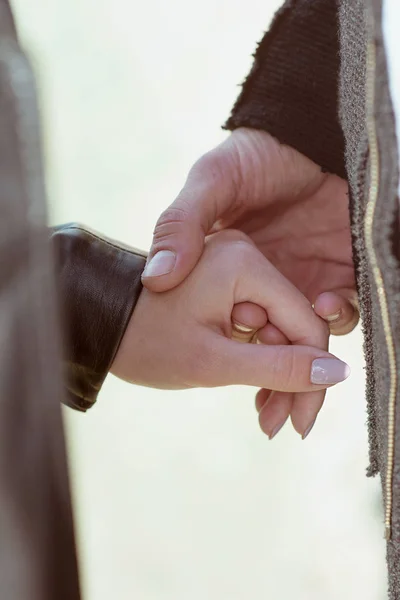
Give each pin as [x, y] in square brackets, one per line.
[329, 371]
[334, 317]
[276, 430]
[307, 431]
[242, 328]
[162, 263]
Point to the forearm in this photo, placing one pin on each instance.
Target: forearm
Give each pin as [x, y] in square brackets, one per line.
[292, 89]
[99, 283]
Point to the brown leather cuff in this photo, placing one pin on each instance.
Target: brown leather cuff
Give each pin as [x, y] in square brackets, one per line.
[99, 283]
[292, 89]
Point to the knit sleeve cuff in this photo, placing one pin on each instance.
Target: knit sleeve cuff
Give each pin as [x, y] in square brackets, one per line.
[292, 89]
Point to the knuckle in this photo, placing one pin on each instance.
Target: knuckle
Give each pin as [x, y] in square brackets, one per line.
[208, 162]
[244, 255]
[244, 247]
[230, 253]
[207, 173]
[212, 163]
[172, 214]
[168, 225]
[217, 169]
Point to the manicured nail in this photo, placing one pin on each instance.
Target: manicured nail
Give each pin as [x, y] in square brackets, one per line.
[307, 431]
[329, 371]
[276, 430]
[162, 263]
[334, 317]
[242, 328]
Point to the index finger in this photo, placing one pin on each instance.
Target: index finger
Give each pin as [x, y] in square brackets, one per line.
[259, 282]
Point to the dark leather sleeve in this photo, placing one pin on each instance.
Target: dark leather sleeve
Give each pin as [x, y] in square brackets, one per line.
[99, 283]
[292, 89]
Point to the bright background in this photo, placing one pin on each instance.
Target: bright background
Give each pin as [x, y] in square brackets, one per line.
[179, 496]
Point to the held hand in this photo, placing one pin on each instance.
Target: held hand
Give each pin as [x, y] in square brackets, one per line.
[182, 338]
[296, 215]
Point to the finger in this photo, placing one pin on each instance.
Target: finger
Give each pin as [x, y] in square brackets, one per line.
[259, 282]
[261, 398]
[304, 407]
[249, 315]
[269, 334]
[178, 237]
[216, 187]
[280, 368]
[247, 318]
[272, 336]
[275, 412]
[293, 316]
[305, 410]
[339, 309]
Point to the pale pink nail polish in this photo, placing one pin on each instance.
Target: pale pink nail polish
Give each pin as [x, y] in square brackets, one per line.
[276, 430]
[328, 371]
[307, 431]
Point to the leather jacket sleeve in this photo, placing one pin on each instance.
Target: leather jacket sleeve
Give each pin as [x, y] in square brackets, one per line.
[293, 87]
[99, 283]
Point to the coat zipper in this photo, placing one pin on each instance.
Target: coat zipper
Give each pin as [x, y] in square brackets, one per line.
[373, 194]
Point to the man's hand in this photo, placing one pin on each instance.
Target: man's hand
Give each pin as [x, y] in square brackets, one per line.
[297, 216]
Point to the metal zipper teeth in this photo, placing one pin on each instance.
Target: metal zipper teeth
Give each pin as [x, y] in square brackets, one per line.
[382, 297]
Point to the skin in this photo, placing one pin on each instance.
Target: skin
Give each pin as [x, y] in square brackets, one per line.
[296, 215]
[196, 348]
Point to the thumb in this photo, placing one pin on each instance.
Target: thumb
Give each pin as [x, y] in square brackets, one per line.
[339, 308]
[278, 368]
[178, 238]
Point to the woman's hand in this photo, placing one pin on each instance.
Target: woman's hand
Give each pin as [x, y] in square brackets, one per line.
[182, 338]
[296, 215]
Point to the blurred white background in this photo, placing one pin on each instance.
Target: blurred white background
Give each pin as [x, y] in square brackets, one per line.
[178, 495]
